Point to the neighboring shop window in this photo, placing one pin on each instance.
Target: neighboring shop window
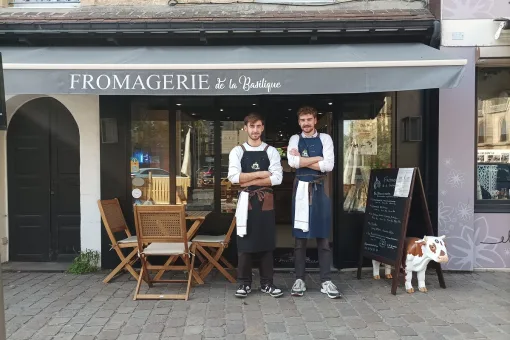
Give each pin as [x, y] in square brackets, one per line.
[367, 146]
[195, 160]
[493, 152]
[150, 163]
[44, 3]
[232, 134]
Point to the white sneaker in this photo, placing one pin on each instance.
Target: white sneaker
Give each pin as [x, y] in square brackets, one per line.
[330, 290]
[298, 288]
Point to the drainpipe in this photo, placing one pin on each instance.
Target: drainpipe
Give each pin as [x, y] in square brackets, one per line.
[435, 39]
[3, 335]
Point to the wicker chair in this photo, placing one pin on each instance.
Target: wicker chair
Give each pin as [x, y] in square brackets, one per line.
[163, 229]
[114, 223]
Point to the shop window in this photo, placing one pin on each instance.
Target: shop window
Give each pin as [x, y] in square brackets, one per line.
[481, 132]
[502, 130]
[44, 3]
[367, 146]
[493, 149]
[150, 163]
[195, 152]
[232, 134]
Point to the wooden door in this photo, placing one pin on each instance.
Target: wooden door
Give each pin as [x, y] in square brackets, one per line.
[44, 184]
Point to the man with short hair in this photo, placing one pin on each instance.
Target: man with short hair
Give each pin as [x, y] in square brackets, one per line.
[256, 167]
[312, 155]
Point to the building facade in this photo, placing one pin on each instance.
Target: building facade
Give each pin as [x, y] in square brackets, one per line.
[473, 155]
[144, 104]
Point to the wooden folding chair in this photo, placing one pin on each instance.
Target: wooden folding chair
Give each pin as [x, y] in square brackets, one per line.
[212, 248]
[163, 228]
[114, 222]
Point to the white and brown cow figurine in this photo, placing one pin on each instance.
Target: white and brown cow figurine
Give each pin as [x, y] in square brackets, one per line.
[417, 255]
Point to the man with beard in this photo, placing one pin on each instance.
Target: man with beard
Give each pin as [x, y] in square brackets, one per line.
[256, 167]
[312, 155]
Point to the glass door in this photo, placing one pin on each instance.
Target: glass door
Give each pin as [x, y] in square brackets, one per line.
[366, 144]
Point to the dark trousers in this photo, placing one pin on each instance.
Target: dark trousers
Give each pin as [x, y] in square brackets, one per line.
[324, 258]
[244, 265]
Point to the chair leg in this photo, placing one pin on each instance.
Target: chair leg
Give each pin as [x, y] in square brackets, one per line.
[215, 263]
[139, 283]
[208, 266]
[129, 265]
[226, 263]
[125, 263]
[191, 274]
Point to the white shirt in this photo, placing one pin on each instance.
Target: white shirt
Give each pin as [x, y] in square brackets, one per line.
[235, 169]
[328, 151]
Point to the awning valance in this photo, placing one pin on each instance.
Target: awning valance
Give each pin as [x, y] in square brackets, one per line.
[228, 70]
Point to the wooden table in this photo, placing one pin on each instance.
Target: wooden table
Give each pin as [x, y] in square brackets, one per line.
[198, 217]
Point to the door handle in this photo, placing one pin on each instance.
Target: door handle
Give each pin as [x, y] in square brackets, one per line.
[52, 192]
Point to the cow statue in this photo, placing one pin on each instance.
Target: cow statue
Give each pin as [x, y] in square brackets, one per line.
[417, 255]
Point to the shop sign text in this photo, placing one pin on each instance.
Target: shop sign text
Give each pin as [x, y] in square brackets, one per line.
[169, 82]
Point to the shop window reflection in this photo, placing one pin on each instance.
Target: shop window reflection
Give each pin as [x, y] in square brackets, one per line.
[493, 149]
[195, 161]
[232, 134]
[149, 163]
[367, 146]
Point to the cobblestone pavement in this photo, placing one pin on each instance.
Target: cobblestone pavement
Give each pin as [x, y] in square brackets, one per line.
[60, 306]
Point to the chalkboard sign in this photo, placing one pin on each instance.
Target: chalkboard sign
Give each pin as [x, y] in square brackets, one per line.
[384, 216]
[392, 195]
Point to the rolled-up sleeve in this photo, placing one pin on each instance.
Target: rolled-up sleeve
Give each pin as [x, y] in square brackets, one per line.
[275, 167]
[234, 165]
[293, 144]
[328, 153]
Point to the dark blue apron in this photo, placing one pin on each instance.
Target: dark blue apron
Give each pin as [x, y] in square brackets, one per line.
[319, 223]
[261, 229]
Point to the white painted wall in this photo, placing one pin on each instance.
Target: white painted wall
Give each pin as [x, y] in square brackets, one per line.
[85, 110]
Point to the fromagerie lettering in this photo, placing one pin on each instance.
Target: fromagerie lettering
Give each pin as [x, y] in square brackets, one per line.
[153, 82]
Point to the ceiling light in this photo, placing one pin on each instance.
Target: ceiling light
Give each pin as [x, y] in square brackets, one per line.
[178, 104]
[330, 103]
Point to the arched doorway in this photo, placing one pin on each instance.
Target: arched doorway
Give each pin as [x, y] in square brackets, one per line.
[43, 169]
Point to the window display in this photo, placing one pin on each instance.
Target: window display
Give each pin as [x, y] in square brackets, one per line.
[367, 146]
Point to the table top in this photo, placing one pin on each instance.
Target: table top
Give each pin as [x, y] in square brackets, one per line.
[196, 215]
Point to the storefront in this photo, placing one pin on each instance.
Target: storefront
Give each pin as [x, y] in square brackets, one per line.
[157, 123]
[474, 161]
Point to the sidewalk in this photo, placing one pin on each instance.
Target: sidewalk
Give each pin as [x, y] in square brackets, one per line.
[60, 306]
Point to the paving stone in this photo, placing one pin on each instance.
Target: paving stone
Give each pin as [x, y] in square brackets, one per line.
[235, 328]
[465, 328]
[57, 306]
[109, 335]
[275, 328]
[149, 336]
[405, 331]
[321, 334]
[214, 332]
[193, 330]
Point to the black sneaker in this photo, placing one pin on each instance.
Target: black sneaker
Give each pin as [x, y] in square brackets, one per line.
[243, 291]
[271, 290]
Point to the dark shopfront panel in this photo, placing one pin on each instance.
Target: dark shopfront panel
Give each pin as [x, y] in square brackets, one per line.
[174, 141]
